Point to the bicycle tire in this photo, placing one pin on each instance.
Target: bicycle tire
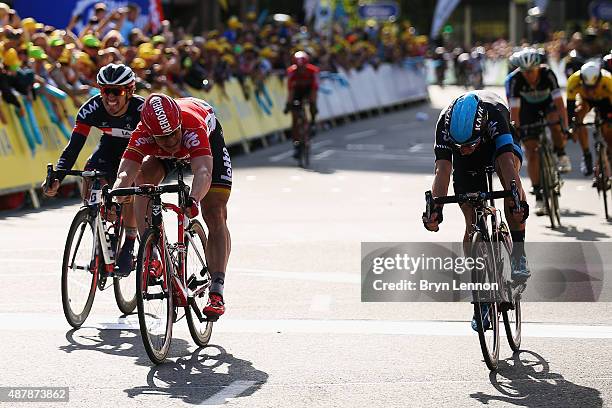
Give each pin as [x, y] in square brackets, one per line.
[555, 189]
[490, 352]
[157, 352]
[602, 177]
[200, 335]
[546, 183]
[77, 318]
[511, 311]
[125, 305]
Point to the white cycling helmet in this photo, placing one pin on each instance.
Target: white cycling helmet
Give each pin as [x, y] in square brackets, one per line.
[528, 58]
[514, 59]
[115, 75]
[590, 73]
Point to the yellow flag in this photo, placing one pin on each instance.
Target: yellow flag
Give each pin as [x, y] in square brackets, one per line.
[223, 4]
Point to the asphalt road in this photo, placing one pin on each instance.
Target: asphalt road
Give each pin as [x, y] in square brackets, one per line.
[296, 332]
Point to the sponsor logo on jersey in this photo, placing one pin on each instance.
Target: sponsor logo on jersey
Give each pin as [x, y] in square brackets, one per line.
[141, 141]
[190, 139]
[158, 108]
[88, 109]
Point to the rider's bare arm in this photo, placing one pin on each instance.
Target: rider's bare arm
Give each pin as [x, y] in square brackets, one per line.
[560, 105]
[128, 169]
[442, 173]
[201, 166]
[509, 171]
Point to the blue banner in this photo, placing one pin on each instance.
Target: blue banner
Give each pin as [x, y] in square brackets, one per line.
[59, 13]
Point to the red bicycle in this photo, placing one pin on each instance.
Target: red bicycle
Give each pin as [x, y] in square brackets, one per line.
[170, 276]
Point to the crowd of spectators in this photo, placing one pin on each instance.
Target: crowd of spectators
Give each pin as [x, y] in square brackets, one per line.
[168, 57]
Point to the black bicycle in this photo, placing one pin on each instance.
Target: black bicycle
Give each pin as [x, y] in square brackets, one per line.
[170, 276]
[550, 178]
[603, 174]
[304, 131]
[490, 241]
[93, 242]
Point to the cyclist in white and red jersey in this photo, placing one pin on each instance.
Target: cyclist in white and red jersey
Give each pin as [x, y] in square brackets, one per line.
[185, 128]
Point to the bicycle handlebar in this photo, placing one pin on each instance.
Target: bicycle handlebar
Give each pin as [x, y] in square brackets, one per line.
[146, 190]
[476, 197]
[539, 125]
[53, 173]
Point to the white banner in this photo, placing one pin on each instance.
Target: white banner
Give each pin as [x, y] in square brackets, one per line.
[444, 8]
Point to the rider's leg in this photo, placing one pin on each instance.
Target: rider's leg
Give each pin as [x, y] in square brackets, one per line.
[583, 138]
[533, 162]
[559, 142]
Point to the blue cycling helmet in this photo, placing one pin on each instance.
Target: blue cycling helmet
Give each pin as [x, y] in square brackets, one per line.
[466, 119]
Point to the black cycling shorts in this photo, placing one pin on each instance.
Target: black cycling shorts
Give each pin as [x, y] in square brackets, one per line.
[101, 161]
[222, 163]
[534, 113]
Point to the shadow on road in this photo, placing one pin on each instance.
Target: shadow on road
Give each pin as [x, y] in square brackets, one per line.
[206, 376]
[586, 234]
[525, 380]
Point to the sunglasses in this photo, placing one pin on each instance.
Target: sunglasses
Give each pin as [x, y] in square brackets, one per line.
[113, 91]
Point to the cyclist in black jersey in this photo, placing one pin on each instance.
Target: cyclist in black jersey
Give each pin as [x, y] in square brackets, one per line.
[533, 93]
[472, 133]
[116, 112]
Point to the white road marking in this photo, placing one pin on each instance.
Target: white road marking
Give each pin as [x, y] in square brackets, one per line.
[362, 134]
[322, 143]
[281, 156]
[580, 188]
[251, 178]
[416, 148]
[289, 153]
[366, 147]
[295, 178]
[385, 190]
[286, 189]
[229, 392]
[320, 303]
[335, 190]
[38, 322]
[324, 154]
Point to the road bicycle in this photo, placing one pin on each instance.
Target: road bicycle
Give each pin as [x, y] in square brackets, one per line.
[170, 275]
[303, 129]
[550, 178]
[602, 178]
[92, 246]
[491, 241]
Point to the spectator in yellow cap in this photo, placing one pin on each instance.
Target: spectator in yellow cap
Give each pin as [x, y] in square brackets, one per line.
[91, 46]
[56, 48]
[85, 66]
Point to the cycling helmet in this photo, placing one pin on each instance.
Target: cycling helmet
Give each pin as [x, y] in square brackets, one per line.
[300, 58]
[514, 60]
[160, 115]
[528, 58]
[466, 119]
[590, 73]
[115, 75]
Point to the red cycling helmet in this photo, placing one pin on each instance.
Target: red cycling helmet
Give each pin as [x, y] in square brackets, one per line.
[160, 115]
[300, 58]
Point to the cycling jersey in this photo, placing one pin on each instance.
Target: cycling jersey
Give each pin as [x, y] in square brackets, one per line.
[116, 132]
[198, 123]
[305, 81]
[202, 135]
[519, 92]
[499, 137]
[602, 97]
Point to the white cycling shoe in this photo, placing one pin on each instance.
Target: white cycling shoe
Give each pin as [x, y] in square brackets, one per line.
[564, 164]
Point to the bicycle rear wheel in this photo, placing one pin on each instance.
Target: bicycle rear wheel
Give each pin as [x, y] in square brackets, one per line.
[79, 270]
[546, 183]
[198, 281]
[486, 310]
[154, 297]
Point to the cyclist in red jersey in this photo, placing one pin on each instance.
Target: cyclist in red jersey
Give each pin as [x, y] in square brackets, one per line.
[303, 83]
[187, 129]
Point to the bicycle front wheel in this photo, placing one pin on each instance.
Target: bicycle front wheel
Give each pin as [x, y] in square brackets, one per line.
[511, 306]
[602, 179]
[198, 281]
[124, 287]
[486, 312]
[154, 297]
[79, 269]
